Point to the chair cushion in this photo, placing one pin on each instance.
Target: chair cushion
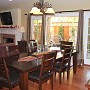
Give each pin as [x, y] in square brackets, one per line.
[35, 75]
[14, 78]
[57, 66]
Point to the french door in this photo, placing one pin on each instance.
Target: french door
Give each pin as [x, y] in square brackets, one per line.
[61, 26]
[36, 27]
[86, 38]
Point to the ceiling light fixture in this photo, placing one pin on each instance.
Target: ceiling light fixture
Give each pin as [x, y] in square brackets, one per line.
[10, 0]
[42, 7]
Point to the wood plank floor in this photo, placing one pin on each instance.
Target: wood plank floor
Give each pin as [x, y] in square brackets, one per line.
[76, 81]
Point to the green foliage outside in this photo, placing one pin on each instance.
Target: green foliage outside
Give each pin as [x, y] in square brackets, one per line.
[73, 34]
[61, 33]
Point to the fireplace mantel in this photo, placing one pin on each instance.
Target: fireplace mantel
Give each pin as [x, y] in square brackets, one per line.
[9, 30]
[12, 31]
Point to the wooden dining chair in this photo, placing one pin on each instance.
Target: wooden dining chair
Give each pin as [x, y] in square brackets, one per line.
[22, 46]
[45, 72]
[8, 78]
[65, 44]
[13, 52]
[32, 47]
[64, 63]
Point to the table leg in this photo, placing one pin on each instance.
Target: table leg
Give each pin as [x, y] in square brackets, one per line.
[1, 87]
[24, 81]
[74, 62]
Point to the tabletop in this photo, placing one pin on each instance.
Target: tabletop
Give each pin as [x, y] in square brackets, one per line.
[24, 66]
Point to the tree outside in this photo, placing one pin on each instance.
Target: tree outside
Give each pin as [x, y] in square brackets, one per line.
[61, 33]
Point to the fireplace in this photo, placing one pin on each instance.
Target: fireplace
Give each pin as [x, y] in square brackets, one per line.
[10, 35]
[7, 38]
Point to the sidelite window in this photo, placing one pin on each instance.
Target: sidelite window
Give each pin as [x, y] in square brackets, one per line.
[36, 27]
[37, 30]
[61, 28]
[86, 37]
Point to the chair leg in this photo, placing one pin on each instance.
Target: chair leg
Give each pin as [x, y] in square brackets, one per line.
[40, 86]
[68, 72]
[55, 73]
[1, 87]
[60, 78]
[63, 74]
[10, 88]
[19, 86]
[69, 65]
[51, 81]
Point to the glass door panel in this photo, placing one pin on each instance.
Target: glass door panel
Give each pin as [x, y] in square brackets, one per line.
[36, 25]
[86, 38]
[61, 28]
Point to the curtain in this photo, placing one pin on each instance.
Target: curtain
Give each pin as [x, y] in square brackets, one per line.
[28, 27]
[79, 46]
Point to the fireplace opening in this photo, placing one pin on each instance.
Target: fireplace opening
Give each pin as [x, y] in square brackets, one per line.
[8, 40]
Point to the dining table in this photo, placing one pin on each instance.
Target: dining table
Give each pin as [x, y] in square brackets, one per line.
[24, 67]
[27, 64]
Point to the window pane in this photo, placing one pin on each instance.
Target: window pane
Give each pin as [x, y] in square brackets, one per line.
[61, 28]
[37, 30]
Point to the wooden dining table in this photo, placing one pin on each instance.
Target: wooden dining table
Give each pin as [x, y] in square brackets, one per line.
[28, 66]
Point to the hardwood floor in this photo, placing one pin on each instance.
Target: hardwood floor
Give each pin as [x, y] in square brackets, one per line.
[76, 81]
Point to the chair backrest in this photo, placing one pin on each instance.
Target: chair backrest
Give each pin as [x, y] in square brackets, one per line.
[32, 46]
[22, 46]
[13, 52]
[47, 63]
[3, 66]
[66, 56]
[65, 44]
[50, 54]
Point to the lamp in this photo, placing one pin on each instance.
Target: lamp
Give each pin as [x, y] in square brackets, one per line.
[22, 30]
[41, 7]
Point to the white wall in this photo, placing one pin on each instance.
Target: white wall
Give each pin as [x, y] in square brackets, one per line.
[16, 16]
[57, 5]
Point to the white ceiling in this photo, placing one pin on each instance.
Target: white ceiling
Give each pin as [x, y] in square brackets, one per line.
[4, 4]
[57, 4]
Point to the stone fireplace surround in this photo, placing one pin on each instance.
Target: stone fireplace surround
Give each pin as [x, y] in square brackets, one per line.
[10, 35]
[7, 38]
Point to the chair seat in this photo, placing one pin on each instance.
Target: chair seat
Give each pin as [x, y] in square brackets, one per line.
[14, 78]
[57, 67]
[35, 75]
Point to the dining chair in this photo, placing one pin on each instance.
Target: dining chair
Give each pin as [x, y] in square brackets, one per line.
[8, 78]
[45, 72]
[22, 46]
[64, 63]
[12, 52]
[65, 44]
[32, 47]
